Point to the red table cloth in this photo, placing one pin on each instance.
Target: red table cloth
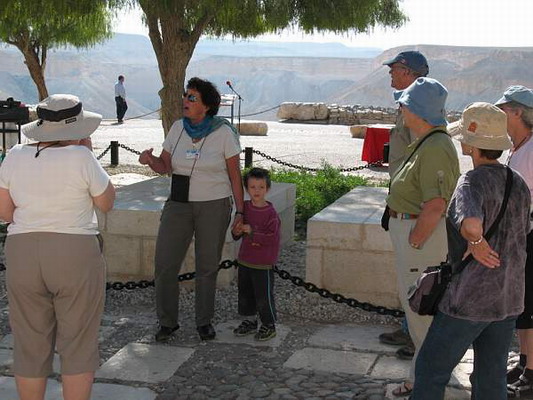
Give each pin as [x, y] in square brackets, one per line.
[375, 138]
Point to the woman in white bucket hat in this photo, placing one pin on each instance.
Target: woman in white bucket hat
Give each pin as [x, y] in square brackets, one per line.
[55, 270]
[486, 293]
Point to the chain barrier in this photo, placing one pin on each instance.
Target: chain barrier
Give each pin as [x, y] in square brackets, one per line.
[104, 153]
[266, 156]
[300, 167]
[310, 287]
[129, 149]
[252, 114]
[130, 285]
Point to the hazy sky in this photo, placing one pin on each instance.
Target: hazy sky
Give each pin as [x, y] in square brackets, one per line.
[501, 23]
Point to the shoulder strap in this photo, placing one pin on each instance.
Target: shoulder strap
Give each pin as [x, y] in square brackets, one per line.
[492, 229]
[418, 146]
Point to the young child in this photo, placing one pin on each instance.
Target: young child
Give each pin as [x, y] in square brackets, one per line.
[260, 232]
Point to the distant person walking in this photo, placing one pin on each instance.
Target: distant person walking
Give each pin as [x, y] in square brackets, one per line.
[120, 99]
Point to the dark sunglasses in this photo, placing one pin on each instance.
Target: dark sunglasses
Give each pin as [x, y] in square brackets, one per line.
[190, 97]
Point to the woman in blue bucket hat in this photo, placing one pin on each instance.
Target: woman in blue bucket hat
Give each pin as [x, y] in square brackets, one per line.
[419, 193]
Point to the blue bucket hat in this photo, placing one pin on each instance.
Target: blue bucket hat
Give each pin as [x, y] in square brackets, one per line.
[517, 93]
[413, 60]
[426, 98]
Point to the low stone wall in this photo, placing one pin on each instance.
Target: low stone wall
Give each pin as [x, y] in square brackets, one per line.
[130, 229]
[349, 253]
[342, 114]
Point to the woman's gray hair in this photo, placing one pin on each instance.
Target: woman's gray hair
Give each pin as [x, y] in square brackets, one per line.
[527, 113]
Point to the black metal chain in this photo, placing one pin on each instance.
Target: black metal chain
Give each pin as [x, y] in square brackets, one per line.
[104, 153]
[336, 297]
[310, 287]
[129, 149]
[130, 285]
[290, 165]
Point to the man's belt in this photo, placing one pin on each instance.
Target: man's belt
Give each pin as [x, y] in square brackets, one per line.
[398, 215]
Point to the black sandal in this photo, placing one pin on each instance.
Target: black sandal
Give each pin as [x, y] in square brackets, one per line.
[519, 388]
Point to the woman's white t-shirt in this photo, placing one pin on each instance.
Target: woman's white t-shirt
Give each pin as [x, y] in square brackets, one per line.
[209, 179]
[53, 192]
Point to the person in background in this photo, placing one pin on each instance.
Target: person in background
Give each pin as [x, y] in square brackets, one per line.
[404, 69]
[517, 103]
[120, 99]
[202, 153]
[49, 191]
[419, 193]
[481, 303]
[260, 232]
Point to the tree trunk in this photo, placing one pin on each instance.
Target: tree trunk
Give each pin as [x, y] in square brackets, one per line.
[173, 46]
[36, 69]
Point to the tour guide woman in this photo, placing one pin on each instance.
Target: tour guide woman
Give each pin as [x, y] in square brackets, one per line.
[419, 193]
[55, 269]
[202, 153]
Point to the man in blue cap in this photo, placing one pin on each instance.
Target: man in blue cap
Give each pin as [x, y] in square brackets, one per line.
[405, 68]
[517, 103]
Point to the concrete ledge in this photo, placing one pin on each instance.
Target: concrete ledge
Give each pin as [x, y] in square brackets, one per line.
[130, 229]
[349, 253]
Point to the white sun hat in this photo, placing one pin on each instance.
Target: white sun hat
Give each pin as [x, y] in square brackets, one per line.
[61, 117]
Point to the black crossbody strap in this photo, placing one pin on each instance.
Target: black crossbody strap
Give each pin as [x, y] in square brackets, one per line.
[494, 226]
[418, 146]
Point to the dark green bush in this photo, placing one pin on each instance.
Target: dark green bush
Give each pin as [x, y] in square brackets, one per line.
[315, 191]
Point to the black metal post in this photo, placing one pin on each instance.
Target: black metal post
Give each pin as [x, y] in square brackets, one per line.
[114, 152]
[248, 157]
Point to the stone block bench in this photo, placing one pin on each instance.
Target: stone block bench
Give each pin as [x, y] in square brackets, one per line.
[130, 229]
[349, 253]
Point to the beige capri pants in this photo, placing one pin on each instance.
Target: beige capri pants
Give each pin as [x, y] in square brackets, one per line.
[56, 291]
[410, 263]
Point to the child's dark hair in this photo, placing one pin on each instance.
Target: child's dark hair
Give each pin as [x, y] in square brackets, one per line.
[257, 173]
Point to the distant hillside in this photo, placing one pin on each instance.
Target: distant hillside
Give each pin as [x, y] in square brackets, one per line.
[469, 73]
[265, 74]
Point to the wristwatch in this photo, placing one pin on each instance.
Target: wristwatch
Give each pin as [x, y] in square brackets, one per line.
[239, 213]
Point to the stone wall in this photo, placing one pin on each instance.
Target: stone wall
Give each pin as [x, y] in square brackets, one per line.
[342, 114]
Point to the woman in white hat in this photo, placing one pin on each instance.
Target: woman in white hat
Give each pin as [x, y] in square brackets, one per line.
[480, 305]
[55, 270]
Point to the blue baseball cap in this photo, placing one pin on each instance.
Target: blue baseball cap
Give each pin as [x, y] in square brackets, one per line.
[413, 60]
[426, 98]
[517, 93]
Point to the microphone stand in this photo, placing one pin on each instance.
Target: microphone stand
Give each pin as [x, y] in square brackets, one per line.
[239, 109]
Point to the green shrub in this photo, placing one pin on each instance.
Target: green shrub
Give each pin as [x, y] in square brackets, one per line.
[315, 191]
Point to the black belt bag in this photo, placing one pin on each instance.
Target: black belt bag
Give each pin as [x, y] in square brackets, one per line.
[179, 189]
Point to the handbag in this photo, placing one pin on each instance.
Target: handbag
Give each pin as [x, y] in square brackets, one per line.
[425, 295]
[386, 214]
[180, 184]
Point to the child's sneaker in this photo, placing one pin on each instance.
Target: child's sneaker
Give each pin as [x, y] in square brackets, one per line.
[266, 332]
[245, 328]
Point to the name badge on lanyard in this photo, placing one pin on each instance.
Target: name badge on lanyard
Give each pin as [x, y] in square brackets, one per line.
[192, 154]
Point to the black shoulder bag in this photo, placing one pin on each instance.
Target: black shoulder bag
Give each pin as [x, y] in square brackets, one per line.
[424, 297]
[386, 214]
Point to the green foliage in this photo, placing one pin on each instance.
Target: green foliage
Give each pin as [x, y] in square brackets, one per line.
[51, 24]
[315, 191]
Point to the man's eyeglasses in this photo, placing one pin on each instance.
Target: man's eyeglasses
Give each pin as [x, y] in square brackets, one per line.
[190, 97]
